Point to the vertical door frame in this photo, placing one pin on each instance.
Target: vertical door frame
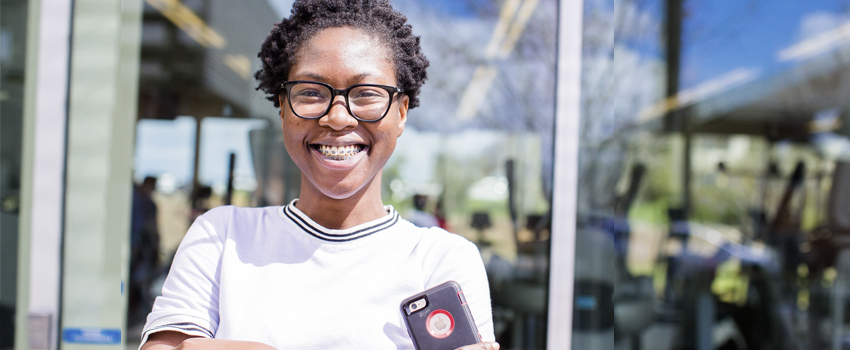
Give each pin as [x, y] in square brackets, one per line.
[43, 175]
[565, 187]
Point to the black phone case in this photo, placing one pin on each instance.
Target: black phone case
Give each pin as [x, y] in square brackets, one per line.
[446, 298]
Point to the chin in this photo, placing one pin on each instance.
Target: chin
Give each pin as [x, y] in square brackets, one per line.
[341, 191]
[338, 195]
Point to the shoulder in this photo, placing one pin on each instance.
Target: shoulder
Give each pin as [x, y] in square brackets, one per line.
[228, 215]
[221, 222]
[229, 212]
[439, 242]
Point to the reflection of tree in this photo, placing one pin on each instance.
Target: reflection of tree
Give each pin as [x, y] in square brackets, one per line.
[521, 98]
[656, 155]
[620, 77]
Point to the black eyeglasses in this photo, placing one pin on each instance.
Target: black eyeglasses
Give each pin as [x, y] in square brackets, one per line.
[365, 102]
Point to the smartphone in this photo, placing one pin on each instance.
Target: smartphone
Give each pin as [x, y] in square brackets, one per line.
[439, 318]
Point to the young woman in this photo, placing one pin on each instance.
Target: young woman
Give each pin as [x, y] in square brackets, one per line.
[330, 269]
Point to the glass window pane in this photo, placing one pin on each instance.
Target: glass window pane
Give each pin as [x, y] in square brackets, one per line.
[717, 181]
[197, 105]
[477, 154]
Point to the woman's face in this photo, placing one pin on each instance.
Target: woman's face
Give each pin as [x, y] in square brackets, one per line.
[342, 57]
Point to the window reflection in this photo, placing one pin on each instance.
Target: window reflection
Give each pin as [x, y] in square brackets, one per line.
[486, 124]
[718, 179]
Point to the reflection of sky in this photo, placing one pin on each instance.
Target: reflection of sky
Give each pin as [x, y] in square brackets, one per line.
[722, 36]
[165, 147]
[725, 44]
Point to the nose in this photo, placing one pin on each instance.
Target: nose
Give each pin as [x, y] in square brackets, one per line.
[337, 117]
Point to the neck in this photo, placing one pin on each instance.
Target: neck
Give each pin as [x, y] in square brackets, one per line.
[363, 206]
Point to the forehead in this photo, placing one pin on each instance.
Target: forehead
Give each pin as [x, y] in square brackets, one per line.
[343, 52]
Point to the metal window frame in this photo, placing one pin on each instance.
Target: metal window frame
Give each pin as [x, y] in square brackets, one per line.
[565, 188]
[50, 109]
[42, 180]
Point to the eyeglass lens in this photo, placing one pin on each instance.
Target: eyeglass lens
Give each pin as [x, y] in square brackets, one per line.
[312, 100]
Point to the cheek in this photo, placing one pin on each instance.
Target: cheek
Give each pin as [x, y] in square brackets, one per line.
[293, 136]
[391, 137]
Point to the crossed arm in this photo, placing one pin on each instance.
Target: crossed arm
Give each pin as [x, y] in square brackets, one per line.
[168, 340]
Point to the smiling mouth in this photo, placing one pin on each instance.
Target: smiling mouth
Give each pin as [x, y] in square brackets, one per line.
[339, 153]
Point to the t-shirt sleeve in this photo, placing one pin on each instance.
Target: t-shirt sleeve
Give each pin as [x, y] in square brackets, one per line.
[189, 301]
[462, 263]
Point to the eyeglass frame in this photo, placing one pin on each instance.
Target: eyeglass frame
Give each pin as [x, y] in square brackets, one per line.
[392, 90]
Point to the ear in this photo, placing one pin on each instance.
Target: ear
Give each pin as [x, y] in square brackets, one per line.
[402, 113]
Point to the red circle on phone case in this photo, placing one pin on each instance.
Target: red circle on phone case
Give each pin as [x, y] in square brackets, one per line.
[437, 326]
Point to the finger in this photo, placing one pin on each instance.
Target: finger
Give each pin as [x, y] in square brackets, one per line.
[481, 346]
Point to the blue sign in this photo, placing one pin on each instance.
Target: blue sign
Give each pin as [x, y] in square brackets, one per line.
[585, 302]
[91, 335]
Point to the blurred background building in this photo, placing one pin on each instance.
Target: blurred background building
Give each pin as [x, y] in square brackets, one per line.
[637, 174]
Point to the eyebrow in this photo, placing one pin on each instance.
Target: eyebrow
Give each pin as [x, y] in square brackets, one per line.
[322, 78]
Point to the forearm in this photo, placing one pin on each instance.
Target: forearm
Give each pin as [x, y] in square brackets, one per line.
[150, 346]
[175, 340]
[165, 340]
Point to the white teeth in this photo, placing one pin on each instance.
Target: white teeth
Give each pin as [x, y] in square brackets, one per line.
[341, 152]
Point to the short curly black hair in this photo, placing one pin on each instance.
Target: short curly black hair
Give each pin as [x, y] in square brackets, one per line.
[375, 17]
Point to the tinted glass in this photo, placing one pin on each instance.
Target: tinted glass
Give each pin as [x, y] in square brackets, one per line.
[713, 175]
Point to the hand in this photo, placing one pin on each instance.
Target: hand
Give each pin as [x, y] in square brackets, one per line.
[481, 346]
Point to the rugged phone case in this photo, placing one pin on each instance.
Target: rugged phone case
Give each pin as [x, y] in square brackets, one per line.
[444, 323]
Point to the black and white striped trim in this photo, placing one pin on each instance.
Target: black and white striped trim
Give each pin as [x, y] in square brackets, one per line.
[316, 230]
[185, 327]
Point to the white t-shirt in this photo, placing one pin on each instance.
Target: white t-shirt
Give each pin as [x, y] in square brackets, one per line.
[273, 275]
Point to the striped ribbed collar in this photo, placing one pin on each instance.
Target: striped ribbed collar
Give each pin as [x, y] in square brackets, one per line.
[308, 225]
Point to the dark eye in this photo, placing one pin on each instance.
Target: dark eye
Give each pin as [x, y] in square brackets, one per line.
[309, 93]
[368, 93]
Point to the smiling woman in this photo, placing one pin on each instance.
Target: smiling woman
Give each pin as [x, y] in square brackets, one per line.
[330, 269]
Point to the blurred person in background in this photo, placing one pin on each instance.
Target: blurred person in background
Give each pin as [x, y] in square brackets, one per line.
[418, 215]
[440, 215]
[200, 201]
[144, 248]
